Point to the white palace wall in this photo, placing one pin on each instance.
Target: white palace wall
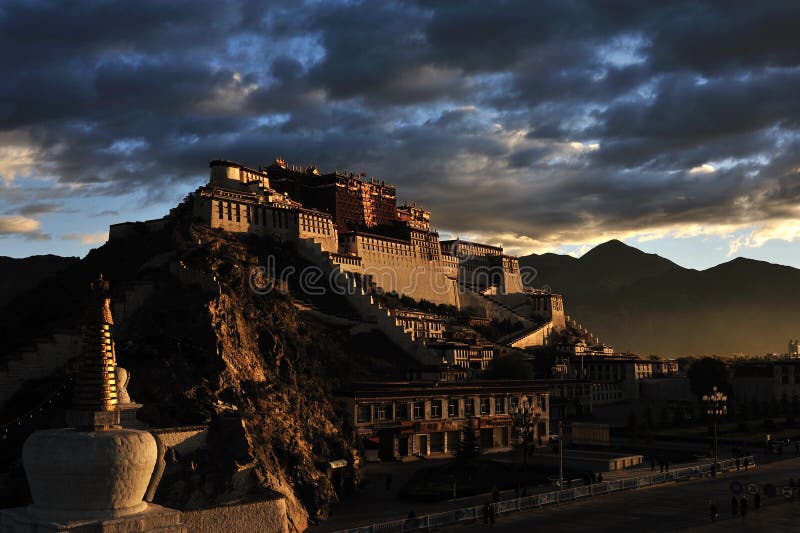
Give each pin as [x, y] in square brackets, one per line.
[394, 265]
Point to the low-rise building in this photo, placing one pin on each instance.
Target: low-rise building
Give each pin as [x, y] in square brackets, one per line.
[462, 354]
[764, 381]
[419, 325]
[629, 372]
[423, 418]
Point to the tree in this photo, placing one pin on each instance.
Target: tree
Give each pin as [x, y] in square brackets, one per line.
[633, 425]
[511, 366]
[665, 418]
[544, 359]
[469, 448]
[707, 373]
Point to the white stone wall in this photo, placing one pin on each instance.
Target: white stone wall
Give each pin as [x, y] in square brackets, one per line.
[396, 266]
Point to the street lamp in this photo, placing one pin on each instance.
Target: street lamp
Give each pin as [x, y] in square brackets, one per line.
[715, 407]
[525, 417]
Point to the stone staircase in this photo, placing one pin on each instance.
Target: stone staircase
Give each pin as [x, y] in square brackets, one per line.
[357, 290]
[492, 308]
[529, 337]
[582, 330]
[48, 355]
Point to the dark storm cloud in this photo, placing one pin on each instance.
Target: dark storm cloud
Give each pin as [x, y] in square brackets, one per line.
[553, 120]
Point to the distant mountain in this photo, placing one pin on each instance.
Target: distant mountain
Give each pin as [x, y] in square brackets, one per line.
[647, 304]
[20, 275]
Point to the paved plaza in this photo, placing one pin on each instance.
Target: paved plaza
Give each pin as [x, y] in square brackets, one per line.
[377, 504]
[681, 506]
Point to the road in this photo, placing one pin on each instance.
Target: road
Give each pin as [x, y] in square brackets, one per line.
[679, 506]
[376, 503]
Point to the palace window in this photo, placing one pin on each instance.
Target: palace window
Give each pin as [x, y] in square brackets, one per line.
[452, 407]
[364, 412]
[401, 410]
[383, 412]
[485, 406]
[499, 405]
[419, 410]
[219, 210]
[436, 408]
[513, 404]
[469, 407]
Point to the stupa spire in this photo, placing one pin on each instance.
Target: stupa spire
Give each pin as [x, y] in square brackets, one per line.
[95, 398]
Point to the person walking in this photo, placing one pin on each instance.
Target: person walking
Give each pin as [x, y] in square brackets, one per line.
[652, 464]
[712, 510]
[746, 463]
[492, 513]
[599, 477]
[734, 506]
[743, 506]
[486, 510]
[738, 463]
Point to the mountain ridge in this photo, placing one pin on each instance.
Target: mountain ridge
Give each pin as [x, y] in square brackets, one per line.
[648, 304]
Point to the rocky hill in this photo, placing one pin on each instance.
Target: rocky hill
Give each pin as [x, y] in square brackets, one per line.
[208, 349]
[647, 304]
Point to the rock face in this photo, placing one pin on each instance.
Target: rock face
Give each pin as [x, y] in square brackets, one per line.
[76, 475]
[207, 349]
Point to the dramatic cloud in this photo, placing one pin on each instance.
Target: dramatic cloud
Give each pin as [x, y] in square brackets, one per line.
[536, 124]
[88, 238]
[19, 225]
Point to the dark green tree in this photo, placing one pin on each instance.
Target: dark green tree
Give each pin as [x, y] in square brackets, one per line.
[665, 418]
[707, 373]
[511, 366]
[633, 425]
[545, 358]
[469, 448]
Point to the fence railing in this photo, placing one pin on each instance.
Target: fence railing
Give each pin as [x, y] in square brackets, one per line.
[538, 500]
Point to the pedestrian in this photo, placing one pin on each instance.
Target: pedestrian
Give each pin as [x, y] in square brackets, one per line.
[758, 500]
[486, 510]
[746, 462]
[743, 506]
[738, 464]
[492, 513]
[712, 509]
[652, 464]
[734, 506]
[661, 465]
[599, 477]
[666, 466]
[389, 482]
[495, 494]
